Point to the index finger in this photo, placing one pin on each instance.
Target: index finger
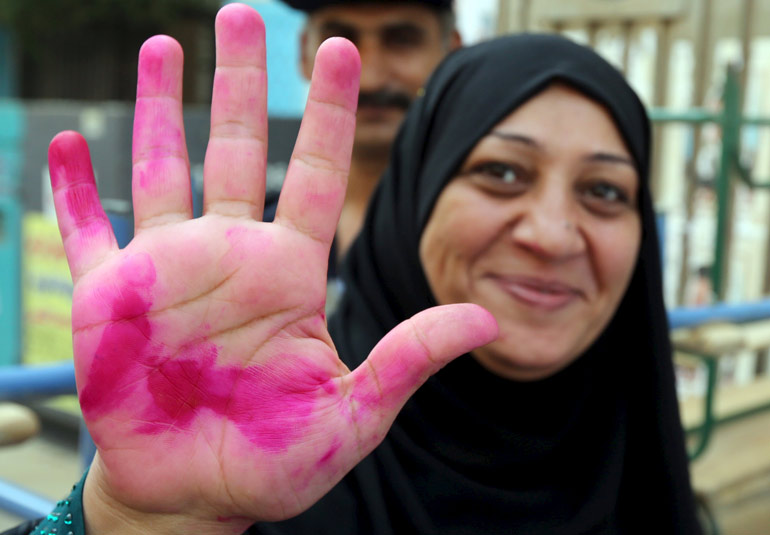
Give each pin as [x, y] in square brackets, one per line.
[314, 189]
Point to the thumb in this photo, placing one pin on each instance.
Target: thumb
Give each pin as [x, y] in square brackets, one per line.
[413, 351]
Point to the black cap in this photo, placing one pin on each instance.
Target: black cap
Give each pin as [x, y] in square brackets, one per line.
[308, 6]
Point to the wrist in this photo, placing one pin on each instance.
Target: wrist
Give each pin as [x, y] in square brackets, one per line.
[105, 515]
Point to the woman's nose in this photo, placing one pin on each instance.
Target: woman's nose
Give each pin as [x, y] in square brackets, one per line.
[549, 230]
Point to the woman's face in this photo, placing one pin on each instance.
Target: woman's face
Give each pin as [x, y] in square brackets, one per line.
[541, 227]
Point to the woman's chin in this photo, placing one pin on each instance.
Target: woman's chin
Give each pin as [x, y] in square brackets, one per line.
[533, 366]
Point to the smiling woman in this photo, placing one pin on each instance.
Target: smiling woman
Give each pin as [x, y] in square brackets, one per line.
[519, 182]
[552, 287]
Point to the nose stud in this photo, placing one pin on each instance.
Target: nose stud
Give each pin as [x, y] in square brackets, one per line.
[568, 225]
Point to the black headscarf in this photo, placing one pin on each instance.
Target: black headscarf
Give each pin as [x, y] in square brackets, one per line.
[596, 448]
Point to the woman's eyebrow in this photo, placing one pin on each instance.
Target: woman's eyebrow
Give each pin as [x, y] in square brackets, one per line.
[603, 157]
[510, 136]
[606, 157]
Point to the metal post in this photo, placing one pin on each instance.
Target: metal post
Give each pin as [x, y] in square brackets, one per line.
[660, 96]
[504, 21]
[525, 9]
[627, 31]
[706, 429]
[701, 73]
[7, 65]
[746, 37]
[593, 31]
[731, 126]
[513, 17]
[12, 130]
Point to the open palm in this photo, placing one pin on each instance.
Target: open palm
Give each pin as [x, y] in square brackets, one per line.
[205, 371]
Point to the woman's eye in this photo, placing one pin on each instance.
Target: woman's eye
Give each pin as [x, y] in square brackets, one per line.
[608, 192]
[606, 196]
[498, 178]
[503, 172]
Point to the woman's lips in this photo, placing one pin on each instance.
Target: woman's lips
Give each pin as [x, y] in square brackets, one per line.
[540, 293]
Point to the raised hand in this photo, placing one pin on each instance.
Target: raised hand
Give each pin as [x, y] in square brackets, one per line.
[205, 371]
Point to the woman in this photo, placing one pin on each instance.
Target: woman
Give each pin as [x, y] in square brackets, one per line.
[519, 182]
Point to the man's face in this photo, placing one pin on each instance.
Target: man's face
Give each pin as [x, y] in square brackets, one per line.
[400, 45]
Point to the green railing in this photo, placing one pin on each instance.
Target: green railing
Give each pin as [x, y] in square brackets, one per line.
[730, 121]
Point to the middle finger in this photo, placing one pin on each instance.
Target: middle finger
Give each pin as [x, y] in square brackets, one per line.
[234, 169]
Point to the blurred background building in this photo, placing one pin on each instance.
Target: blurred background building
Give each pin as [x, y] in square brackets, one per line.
[71, 64]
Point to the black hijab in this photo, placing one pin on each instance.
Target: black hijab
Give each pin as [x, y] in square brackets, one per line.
[596, 448]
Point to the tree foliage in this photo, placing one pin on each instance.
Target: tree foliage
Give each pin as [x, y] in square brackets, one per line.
[87, 49]
[43, 22]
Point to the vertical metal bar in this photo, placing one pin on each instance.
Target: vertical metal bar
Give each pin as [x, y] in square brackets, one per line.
[12, 132]
[733, 93]
[746, 37]
[660, 96]
[701, 73]
[707, 427]
[513, 17]
[593, 30]
[731, 124]
[504, 21]
[525, 10]
[627, 31]
[8, 82]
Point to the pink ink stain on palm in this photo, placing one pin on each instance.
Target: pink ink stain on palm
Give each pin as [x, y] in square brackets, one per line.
[390, 387]
[245, 242]
[330, 453]
[270, 404]
[117, 363]
[235, 235]
[265, 408]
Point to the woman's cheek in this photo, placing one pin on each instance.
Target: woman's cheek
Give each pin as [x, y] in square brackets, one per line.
[617, 252]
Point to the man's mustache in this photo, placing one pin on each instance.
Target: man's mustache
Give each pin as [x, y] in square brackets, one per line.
[384, 99]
